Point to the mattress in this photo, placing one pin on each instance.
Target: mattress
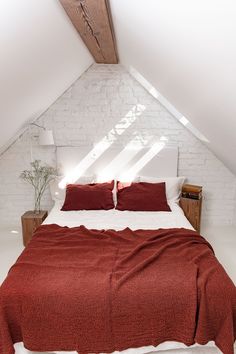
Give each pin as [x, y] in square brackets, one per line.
[118, 220]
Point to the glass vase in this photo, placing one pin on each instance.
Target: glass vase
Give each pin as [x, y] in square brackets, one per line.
[37, 203]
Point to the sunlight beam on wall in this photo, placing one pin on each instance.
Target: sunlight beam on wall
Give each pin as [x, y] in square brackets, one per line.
[73, 175]
[105, 143]
[132, 172]
[114, 168]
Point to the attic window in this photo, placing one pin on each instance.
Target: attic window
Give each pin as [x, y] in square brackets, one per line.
[184, 120]
[153, 91]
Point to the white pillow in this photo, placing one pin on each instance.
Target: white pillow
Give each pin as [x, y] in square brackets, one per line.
[173, 185]
[58, 193]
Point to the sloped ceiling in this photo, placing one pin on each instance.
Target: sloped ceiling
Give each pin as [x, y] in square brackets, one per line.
[41, 56]
[187, 51]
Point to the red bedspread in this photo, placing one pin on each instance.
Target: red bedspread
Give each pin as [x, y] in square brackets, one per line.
[100, 291]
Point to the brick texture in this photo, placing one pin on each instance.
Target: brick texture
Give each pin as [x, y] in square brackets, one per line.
[97, 107]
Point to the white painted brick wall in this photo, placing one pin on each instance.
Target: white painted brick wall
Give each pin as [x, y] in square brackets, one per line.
[88, 112]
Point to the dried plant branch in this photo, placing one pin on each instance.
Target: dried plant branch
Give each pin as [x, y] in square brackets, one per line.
[39, 177]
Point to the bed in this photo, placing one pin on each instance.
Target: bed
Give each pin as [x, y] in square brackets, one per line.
[109, 229]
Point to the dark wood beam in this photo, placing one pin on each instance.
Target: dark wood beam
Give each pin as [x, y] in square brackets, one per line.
[92, 19]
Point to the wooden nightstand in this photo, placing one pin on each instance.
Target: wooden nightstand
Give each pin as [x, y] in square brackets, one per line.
[30, 221]
[191, 203]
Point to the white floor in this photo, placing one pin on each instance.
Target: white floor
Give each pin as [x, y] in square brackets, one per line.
[11, 247]
[223, 241]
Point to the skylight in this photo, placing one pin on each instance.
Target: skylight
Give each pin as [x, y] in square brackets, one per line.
[153, 91]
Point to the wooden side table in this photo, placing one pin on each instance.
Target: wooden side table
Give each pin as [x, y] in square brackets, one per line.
[191, 203]
[30, 221]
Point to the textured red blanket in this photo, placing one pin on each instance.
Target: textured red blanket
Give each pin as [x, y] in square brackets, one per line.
[100, 291]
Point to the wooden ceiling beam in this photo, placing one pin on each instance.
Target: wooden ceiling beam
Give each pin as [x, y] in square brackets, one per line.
[92, 19]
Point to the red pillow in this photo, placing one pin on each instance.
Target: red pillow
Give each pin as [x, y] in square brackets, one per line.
[89, 196]
[142, 196]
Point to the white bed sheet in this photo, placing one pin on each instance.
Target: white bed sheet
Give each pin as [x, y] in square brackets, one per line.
[118, 220]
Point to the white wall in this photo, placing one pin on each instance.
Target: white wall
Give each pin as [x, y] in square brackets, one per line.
[41, 56]
[187, 51]
[94, 108]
